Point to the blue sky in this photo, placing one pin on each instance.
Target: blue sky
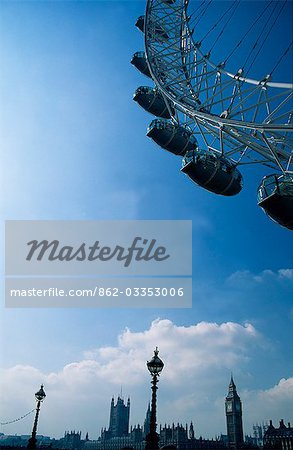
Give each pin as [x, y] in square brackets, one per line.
[74, 147]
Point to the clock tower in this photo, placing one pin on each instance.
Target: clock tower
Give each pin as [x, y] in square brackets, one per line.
[234, 417]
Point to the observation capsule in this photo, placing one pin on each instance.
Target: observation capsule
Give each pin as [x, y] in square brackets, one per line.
[171, 136]
[275, 197]
[213, 172]
[158, 30]
[140, 62]
[153, 102]
[140, 23]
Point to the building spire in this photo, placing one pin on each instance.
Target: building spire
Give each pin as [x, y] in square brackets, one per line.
[191, 431]
[234, 416]
[119, 418]
[232, 386]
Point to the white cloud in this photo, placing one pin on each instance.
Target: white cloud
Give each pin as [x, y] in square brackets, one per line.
[275, 402]
[283, 390]
[247, 278]
[198, 360]
[286, 273]
[184, 349]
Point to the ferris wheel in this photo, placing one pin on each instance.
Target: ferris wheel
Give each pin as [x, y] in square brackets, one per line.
[215, 118]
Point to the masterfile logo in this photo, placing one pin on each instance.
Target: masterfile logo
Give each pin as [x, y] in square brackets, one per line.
[77, 248]
[139, 250]
[98, 264]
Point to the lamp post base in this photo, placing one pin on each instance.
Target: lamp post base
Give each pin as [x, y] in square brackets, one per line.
[152, 441]
[32, 443]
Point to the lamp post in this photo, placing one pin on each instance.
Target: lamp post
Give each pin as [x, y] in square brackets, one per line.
[40, 396]
[155, 367]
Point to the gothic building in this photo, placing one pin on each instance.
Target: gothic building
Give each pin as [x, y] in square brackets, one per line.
[119, 420]
[71, 440]
[147, 421]
[234, 417]
[278, 438]
[183, 438]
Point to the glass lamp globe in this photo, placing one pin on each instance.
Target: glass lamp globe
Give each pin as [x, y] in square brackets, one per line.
[155, 365]
[40, 395]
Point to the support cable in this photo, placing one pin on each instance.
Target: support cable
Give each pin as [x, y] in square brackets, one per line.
[198, 8]
[225, 25]
[266, 36]
[258, 37]
[217, 23]
[281, 57]
[247, 32]
[200, 16]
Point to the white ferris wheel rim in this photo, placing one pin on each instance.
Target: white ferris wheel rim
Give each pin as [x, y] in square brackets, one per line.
[211, 118]
[264, 82]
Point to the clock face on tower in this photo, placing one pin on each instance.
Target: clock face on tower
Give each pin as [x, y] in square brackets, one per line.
[229, 407]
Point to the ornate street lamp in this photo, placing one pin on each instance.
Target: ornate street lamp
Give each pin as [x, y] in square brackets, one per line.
[155, 367]
[40, 396]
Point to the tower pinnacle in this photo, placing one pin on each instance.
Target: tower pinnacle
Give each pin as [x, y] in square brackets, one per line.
[234, 416]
